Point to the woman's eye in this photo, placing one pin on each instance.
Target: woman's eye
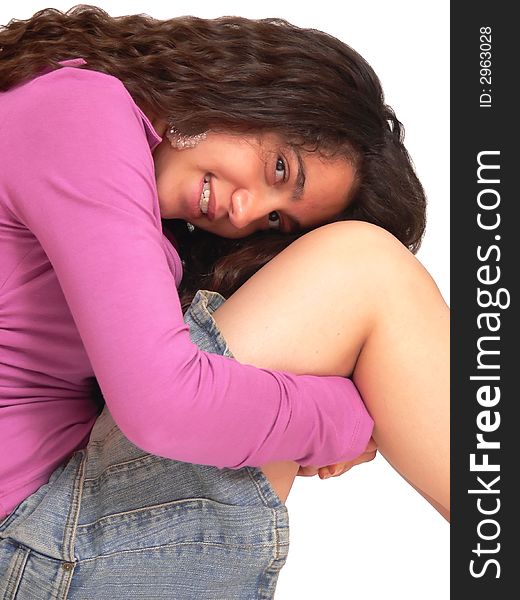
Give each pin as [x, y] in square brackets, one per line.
[274, 220]
[280, 169]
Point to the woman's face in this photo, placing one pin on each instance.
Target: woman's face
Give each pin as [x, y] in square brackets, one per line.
[254, 183]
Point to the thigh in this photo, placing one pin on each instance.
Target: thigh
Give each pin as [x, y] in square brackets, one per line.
[349, 299]
[308, 310]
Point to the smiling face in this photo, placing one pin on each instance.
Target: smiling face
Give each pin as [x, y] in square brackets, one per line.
[235, 185]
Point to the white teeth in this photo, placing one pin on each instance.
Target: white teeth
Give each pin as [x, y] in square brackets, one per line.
[204, 197]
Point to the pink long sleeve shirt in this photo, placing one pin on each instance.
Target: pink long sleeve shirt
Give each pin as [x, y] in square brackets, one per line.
[88, 289]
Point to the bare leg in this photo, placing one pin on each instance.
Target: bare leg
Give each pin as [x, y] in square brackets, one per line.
[348, 299]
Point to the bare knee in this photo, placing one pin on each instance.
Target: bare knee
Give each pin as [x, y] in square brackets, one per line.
[323, 294]
[354, 262]
[359, 257]
[359, 246]
[378, 273]
[356, 241]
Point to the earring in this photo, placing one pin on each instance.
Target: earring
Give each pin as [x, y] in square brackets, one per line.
[180, 141]
[190, 227]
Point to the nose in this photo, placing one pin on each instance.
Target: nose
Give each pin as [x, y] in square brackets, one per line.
[243, 210]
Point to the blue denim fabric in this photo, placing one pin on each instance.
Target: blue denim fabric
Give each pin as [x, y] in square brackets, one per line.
[115, 522]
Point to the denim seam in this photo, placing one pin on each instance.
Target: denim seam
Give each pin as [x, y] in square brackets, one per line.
[113, 431]
[113, 468]
[69, 536]
[157, 506]
[63, 584]
[270, 578]
[272, 571]
[276, 537]
[232, 545]
[267, 578]
[36, 553]
[21, 556]
[261, 494]
[68, 583]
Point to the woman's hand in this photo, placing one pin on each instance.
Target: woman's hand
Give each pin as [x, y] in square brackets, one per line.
[337, 469]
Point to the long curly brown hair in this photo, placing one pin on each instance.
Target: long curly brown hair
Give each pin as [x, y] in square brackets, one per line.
[239, 75]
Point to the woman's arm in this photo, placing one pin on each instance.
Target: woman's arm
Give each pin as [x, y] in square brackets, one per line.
[79, 181]
[349, 299]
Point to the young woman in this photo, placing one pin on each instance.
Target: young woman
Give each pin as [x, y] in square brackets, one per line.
[241, 129]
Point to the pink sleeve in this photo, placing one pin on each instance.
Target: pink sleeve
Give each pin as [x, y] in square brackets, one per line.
[81, 177]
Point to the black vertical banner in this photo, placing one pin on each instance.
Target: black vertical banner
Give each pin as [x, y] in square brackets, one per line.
[485, 238]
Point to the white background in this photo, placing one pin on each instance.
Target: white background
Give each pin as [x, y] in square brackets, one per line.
[366, 534]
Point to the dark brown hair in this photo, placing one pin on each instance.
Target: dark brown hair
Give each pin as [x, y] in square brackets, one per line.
[246, 76]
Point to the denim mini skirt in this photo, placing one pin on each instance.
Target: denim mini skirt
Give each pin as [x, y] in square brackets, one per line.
[114, 522]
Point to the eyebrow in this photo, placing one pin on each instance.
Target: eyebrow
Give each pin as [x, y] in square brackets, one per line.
[298, 190]
[300, 177]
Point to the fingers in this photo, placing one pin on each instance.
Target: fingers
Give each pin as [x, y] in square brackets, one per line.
[366, 457]
[340, 468]
[308, 471]
[337, 469]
